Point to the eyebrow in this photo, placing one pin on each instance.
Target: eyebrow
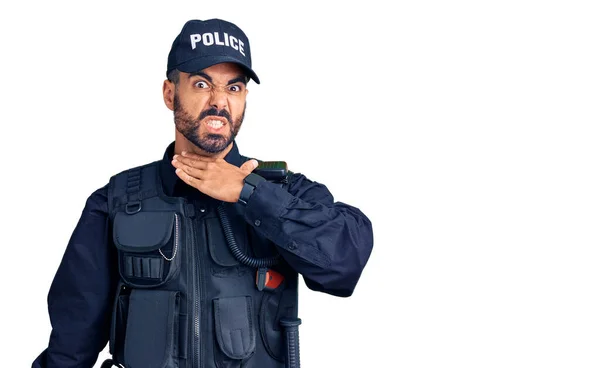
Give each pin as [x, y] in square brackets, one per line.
[240, 78]
[200, 74]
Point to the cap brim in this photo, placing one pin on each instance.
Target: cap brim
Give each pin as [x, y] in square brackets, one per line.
[199, 63]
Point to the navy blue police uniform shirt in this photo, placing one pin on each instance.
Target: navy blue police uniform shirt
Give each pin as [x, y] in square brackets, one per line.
[327, 242]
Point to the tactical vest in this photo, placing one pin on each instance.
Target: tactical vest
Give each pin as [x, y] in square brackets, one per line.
[183, 298]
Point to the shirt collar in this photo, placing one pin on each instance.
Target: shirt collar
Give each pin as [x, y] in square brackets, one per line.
[175, 187]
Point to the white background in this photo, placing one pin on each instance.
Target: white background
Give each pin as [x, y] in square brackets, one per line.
[466, 130]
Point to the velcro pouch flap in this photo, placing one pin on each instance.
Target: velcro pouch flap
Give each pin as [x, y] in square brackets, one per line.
[233, 326]
[142, 231]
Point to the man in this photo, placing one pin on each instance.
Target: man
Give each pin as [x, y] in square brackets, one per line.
[192, 261]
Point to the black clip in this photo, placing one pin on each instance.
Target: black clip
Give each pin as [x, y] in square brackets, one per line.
[133, 207]
[267, 279]
[261, 278]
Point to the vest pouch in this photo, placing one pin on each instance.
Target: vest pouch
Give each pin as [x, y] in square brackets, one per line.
[152, 329]
[235, 331]
[149, 245]
[118, 322]
[274, 307]
[223, 262]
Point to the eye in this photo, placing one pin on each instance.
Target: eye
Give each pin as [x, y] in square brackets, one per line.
[235, 88]
[201, 84]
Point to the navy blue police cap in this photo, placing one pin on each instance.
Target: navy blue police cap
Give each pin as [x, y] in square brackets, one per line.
[204, 43]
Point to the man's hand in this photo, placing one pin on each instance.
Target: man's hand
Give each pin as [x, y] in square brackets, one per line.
[214, 177]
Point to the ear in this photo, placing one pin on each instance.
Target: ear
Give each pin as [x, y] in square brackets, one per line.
[169, 93]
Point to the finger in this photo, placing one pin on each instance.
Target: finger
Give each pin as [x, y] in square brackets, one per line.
[198, 164]
[249, 166]
[188, 178]
[190, 170]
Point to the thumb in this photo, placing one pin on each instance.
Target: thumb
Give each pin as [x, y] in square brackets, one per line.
[249, 166]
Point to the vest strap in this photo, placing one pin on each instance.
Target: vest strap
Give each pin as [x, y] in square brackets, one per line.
[131, 187]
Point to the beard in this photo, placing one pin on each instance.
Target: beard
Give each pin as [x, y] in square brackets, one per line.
[189, 127]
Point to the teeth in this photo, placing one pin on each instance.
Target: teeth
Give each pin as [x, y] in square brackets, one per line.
[215, 123]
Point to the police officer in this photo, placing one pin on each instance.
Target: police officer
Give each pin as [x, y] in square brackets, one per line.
[193, 260]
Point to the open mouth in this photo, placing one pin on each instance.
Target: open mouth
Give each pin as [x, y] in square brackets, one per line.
[215, 124]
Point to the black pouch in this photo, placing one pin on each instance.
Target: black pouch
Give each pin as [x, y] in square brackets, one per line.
[235, 331]
[151, 336]
[223, 262]
[119, 319]
[274, 307]
[149, 247]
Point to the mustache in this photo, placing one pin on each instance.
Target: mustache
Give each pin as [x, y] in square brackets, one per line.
[214, 112]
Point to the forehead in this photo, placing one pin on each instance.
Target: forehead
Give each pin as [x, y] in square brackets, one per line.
[222, 71]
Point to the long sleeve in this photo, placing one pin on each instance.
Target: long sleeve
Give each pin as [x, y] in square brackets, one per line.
[81, 294]
[327, 242]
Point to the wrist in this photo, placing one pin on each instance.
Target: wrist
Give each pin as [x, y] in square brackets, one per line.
[251, 181]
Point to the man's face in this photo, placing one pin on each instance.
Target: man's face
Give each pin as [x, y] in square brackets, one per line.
[209, 106]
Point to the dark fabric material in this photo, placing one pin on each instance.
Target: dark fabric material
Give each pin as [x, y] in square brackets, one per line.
[81, 294]
[143, 232]
[203, 43]
[146, 267]
[151, 328]
[327, 242]
[235, 329]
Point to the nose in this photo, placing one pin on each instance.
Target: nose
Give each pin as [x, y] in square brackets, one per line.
[218, 99]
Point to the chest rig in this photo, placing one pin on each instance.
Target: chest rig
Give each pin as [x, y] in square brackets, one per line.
[190, 292]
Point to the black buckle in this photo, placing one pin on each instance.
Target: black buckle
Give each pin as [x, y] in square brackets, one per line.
[133, 207]
[108, 363]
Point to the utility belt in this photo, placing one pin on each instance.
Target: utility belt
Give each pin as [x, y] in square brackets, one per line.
[195, 287]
